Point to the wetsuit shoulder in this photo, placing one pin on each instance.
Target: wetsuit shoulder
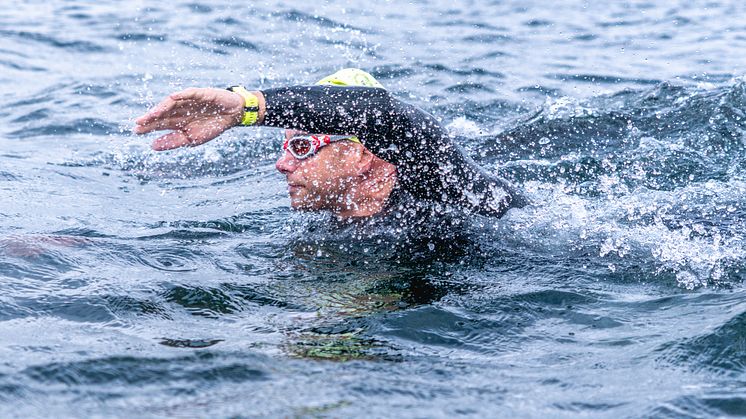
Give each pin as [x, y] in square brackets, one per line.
[430, 165]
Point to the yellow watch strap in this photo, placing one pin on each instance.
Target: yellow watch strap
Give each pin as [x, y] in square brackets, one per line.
[250, 107]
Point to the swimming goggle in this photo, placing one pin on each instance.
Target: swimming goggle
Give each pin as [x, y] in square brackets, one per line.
[304, 146]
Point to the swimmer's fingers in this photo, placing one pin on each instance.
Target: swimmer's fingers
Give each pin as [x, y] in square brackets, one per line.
[176, 104]
[187, 106]
[193, 135]
[170, 115]
[160, 124]
[193, 93]
[156, 112]
[170, 141]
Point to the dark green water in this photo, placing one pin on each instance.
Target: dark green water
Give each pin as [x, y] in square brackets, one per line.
[180, 284]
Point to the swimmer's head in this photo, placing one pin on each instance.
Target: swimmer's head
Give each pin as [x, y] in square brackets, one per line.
[350, 77]
[338, 172]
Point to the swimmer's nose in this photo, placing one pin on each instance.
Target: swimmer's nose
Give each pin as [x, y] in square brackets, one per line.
[286, 164]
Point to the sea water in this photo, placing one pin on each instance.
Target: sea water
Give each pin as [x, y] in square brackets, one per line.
[137, 283]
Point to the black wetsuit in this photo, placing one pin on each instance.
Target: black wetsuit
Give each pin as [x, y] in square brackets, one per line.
[430, 166]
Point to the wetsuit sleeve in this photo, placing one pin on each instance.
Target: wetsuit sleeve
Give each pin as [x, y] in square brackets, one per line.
[429, 164]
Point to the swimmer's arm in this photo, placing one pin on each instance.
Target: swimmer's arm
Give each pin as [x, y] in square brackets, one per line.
[195, 116]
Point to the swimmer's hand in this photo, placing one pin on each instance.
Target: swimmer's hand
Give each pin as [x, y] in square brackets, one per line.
[195, 116]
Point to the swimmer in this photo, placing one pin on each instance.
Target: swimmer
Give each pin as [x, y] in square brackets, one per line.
[350, 147]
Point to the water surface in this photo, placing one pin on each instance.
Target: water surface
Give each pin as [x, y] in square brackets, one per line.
[180, 283]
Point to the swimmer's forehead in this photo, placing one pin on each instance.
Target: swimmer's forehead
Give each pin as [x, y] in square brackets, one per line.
[290, 133]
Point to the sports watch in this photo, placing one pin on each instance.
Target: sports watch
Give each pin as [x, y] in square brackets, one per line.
[250, 107]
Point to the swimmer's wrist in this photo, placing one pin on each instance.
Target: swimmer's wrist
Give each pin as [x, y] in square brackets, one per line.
[253, 106]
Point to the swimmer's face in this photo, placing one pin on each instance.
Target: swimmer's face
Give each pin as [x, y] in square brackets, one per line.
[320, 182]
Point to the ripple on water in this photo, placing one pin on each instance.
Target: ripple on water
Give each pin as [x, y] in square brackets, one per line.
[199, 368]
[126, 305]
[721, 351]
[10, 309]
[200, 8]
[141, 37]
[48, 40]
[468, 87]
[235, 42]
[93, 126]
[22, 67]
[430, 326]
[322, 21]
[261, 295]
[603, 79]
[173, 259]
[203, 301]
[10, 391]
[489, 38]
[35, 263]
[719, 404]
[190, 343]
[83, 309]
[9, 177]
[392, 72]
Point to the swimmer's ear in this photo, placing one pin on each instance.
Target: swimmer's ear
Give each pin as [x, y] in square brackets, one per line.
[365, 161]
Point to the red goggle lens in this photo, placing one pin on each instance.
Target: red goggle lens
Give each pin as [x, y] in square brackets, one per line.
[300, 146]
